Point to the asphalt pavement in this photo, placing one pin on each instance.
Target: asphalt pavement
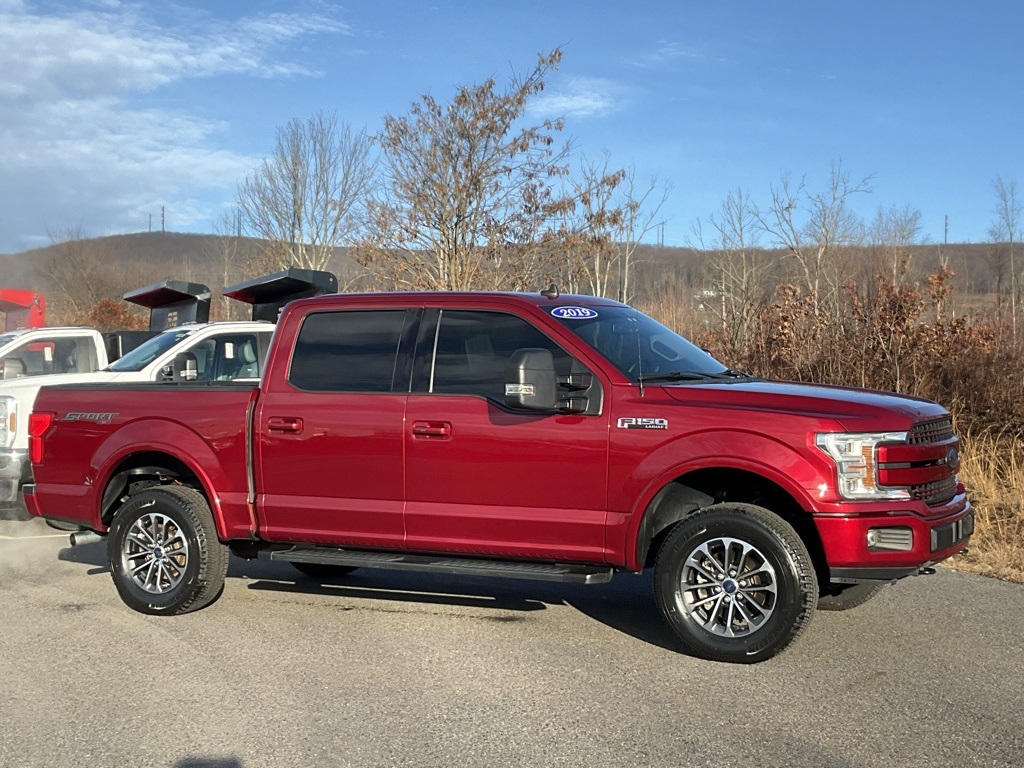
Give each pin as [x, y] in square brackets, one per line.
[401, 669]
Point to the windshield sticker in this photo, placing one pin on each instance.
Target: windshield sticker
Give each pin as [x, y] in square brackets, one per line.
[573, 313]
[519, 389]
[642, 422]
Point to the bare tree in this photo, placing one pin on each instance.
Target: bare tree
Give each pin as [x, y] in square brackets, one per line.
[813, 228]
[233, 258]
[889, 237]
[1007, 229]
[79, 277]
[738, 269]
[307, 198]
[471, 196]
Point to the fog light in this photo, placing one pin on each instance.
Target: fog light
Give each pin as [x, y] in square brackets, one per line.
[893, 539]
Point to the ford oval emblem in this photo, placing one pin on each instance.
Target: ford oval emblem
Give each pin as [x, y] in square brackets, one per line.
[953, 459]
[573, 313]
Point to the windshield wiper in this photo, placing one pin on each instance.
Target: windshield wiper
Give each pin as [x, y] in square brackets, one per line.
[728, 373]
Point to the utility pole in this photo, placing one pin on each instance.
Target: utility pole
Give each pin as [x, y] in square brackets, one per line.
[162, 228]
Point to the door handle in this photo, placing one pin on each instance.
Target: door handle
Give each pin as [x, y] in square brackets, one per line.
[284, 424]
[442, 429]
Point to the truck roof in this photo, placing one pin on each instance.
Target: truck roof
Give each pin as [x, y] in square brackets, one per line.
[454, 298]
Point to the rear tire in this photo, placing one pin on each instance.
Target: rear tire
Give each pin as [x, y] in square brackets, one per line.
[845, 598]
[164, 554]
[323, 571]
[735, 583]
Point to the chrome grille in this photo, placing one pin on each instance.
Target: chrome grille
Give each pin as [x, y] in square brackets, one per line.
[934, 431]
[937, 492]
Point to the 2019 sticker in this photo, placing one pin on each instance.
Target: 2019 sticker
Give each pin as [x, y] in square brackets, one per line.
[574, 313]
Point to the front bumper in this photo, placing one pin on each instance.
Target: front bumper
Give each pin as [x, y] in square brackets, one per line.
[934, 538]
[15, 471]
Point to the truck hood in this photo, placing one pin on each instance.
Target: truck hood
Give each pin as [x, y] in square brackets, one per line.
[856, 410]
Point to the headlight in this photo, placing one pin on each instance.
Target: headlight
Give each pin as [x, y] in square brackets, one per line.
[857, 465]
[8, 420]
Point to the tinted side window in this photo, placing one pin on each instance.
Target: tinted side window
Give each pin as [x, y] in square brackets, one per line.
[347, 351]
[473, 348]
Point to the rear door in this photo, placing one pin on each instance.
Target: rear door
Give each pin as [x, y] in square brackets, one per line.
[329, 431]
[482, 478]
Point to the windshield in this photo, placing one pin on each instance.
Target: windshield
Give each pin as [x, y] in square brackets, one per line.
[636, 344]
[7, 338]
[146, 353]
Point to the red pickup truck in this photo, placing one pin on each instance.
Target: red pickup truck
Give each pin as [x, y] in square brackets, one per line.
[513, 435]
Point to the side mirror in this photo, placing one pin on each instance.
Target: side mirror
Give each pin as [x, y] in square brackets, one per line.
[530, 381]
[185, 367]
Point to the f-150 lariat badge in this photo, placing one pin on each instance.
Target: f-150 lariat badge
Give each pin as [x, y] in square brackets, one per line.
[641, 422]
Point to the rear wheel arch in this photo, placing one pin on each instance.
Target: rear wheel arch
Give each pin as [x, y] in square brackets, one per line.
[138, 471]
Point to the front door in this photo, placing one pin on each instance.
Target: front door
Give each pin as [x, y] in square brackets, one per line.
[484, 479]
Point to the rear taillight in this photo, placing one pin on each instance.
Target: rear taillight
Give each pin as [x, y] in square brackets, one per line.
[38, 424]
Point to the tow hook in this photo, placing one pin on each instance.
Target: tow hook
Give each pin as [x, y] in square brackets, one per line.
[78, 538]
[964, 551]
[926, 571]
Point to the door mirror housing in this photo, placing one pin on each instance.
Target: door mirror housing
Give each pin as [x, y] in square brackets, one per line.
[186, 368]
[530, 381]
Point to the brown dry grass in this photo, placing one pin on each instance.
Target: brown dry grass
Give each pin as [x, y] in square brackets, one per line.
[993, 471]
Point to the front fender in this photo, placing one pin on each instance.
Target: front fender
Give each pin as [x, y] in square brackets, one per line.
[801, 473]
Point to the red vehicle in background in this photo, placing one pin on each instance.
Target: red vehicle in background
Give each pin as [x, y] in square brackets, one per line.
[22, 309]
[531, 436]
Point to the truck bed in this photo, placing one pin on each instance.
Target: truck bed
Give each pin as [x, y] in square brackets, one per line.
[115, 425]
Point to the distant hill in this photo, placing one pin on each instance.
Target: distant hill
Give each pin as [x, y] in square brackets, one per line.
[110, 266]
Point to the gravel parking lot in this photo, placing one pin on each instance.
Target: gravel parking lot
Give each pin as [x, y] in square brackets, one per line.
[390, 668]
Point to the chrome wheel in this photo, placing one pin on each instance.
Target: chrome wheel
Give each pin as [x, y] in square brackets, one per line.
[728, 587]
[155, 553]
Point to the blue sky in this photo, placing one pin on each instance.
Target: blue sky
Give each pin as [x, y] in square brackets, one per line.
[110, 110]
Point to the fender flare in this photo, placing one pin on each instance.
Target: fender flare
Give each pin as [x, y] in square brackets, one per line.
[177, 441]
[664, 501]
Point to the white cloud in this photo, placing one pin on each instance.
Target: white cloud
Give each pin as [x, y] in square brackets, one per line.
[78, 137]
[580, 97]
[664, 53]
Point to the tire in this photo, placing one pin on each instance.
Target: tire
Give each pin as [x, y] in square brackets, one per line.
[845, 598]
[716, 612]
[323, 571]
[164, 554]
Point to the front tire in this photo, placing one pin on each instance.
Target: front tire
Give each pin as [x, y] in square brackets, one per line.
[735, 583]
[164, 554]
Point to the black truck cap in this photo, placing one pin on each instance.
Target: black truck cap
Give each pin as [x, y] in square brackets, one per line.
[172, 303]
[269, 294]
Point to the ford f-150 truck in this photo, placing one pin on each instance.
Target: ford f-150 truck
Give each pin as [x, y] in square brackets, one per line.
[515, 435]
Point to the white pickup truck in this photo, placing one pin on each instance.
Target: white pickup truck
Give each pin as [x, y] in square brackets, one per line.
[203, 351]
[43, 351]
